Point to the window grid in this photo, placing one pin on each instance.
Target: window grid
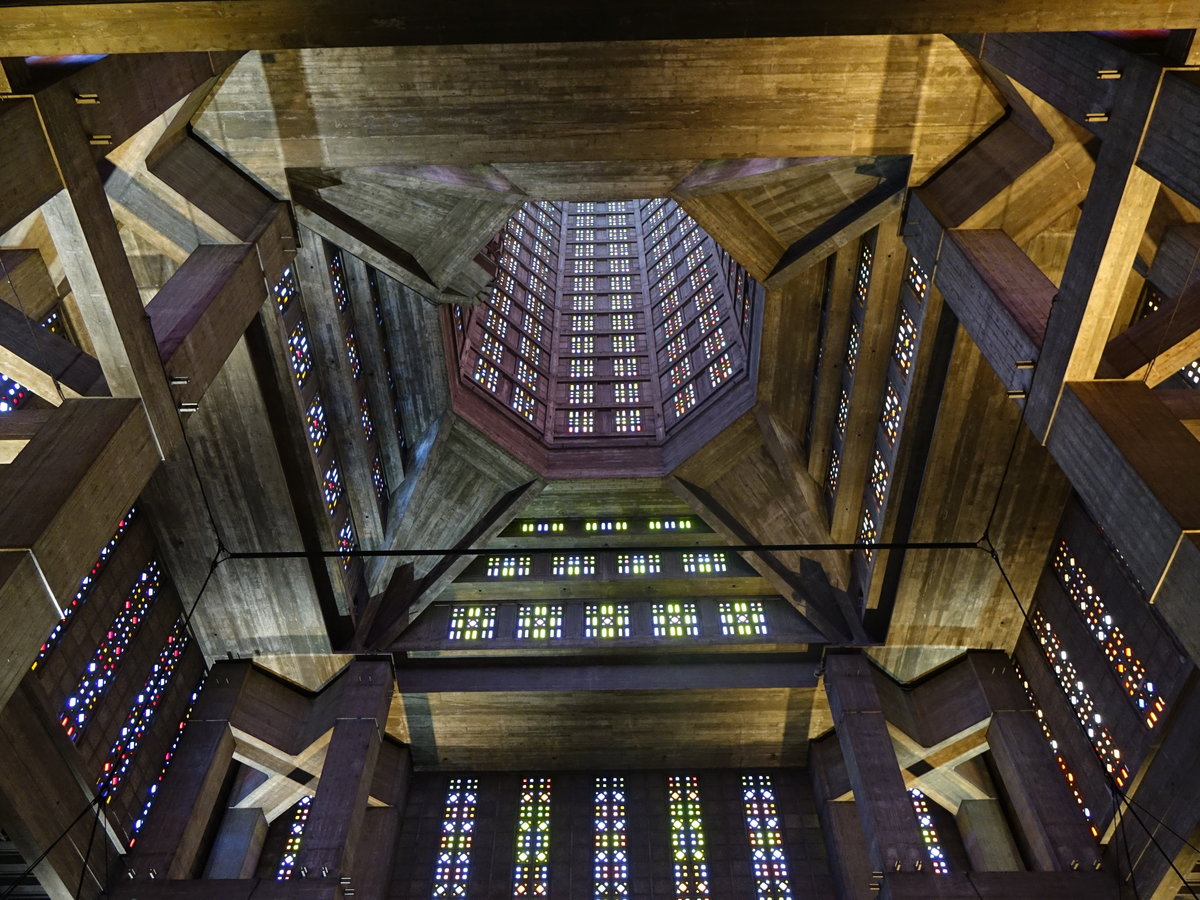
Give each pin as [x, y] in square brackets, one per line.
[767, 858]
[1128, 668]
[1080, 699]
[627, 421]
[906, 343]
[606, 620]
[704, 563]
[742, 618]
[933, 845]
[610, 860]
[284, 290]
[831, 477]
[337, 280]
[581, 421]
[364, 417]
[541, 527]
[98, 675]
[720, 370]
[472, 623]
[509, 566]
[531, 874]
[675, 620]
[539, 622]
[670, 524]
[639, 564]
[318, 430]
[86, 584]
[687, 837]
[379, 479]
[573, 565]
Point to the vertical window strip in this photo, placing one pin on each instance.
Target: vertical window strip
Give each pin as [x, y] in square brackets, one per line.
[1080, 699]
[1068, 775]
[86, 584]
[933, 846]
[767, 858]
[141, 716]
[152, 791]
[531, 875]
[610, 860]
[291, 849]
[101, 670]
[453, 867]
[1128, 667]
[687, 837]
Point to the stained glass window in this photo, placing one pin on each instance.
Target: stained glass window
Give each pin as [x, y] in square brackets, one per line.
[742, 618]
[678, 619]
[295, 836]
[880, 477]
[129, 739]
[863, 279]
[867, 533]
[624, 343]
[610, 862]
[687, 837]
[531, 875]
[670, 524]
[486, 374]
[680, 372]
[843, 413]
[453, 867]
[890, 419]
[12, 395]
[300, 354]
[472, 623]
[639, 564]
[1081, 700]
[583, 344]
[379, 479]
[704, 563]
[541, 527]
[523, 404]
[152, 791]
[933, 846]
[720, 370]
[918, 281]
[332, 486]
[627, 421]
[1126, 665]
[364, 413]
[337, 280]
[347, 543]
[606, 620]
[626, 392]
[852, 346]
[715, 342]
[539, 622]
[625, 366]
[684, 400]
[318, 430]
[581, 421]
[583, 392]
[606, 525]
[509, 566]
[835, 469]
[352, 353]
[101, 669]
[767, 859]
[906, 343]
[285, 289]
[623, 322]
[85, 589]
[582, 368]
[574, 564]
